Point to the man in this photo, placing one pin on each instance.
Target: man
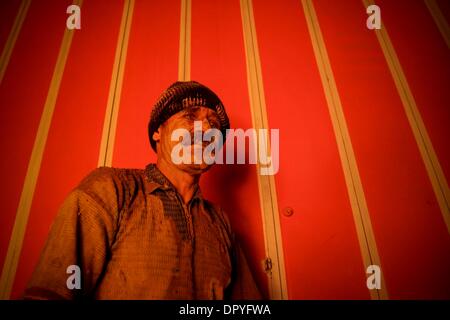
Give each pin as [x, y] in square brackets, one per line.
[147, 234]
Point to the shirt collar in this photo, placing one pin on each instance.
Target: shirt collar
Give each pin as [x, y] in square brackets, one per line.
[158, 180]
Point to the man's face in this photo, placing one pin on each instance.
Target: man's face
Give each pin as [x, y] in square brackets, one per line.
[185, 120]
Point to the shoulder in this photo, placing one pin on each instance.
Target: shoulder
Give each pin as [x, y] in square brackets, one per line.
[110, 186]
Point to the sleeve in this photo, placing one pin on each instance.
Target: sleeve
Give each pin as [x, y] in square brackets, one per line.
[77, 247]
[243, 285]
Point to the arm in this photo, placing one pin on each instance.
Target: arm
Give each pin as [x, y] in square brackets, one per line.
[81, 235]
[243, 286]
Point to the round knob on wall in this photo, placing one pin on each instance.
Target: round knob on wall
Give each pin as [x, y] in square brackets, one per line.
[288, 211]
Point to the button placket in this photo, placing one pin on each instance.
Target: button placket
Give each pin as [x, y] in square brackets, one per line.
[188, 217]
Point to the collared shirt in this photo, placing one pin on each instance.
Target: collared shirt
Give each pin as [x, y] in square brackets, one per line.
[132, 237]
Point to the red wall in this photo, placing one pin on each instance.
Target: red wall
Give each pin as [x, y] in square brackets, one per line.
[321, 248]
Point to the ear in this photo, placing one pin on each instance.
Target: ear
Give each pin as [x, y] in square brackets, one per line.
[157, 135]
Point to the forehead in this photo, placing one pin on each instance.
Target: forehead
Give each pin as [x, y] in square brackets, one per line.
[199, 112]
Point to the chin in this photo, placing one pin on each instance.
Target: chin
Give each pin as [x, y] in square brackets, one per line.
[195, 168]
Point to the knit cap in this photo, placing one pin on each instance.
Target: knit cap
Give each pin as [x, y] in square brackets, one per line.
[182, 95]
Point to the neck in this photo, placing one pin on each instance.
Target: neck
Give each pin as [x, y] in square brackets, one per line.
[185, 183]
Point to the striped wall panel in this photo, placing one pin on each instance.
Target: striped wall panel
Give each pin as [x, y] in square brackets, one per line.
[363, 118]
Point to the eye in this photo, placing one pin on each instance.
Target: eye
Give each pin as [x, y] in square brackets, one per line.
[214, 123]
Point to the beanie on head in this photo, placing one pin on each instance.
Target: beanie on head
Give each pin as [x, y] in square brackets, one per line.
[182, 95]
